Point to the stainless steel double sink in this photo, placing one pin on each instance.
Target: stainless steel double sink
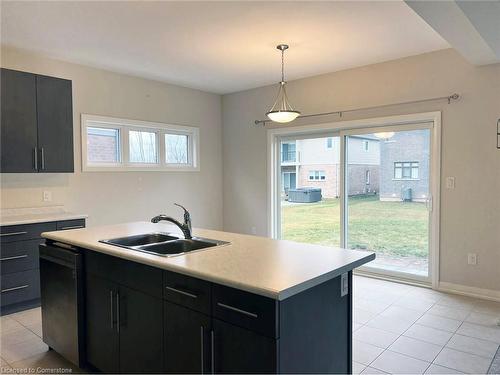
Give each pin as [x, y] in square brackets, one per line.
[163, 244]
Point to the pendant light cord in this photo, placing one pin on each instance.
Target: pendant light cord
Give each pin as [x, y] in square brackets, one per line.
[282, 65]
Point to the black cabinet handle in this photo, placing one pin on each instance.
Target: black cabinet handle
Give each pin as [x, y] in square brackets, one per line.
[118, 312]
[14, 288]
[182, 292]
[112, 315]
[202, 348]
[35, 159]
[232, 308]
[212, 346]
[13, 258]
[12, 234]
[43, 158]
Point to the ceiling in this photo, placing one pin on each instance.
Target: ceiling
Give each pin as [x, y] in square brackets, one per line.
[220, 47]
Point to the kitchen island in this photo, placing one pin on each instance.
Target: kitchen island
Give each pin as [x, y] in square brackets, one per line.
[255, 305]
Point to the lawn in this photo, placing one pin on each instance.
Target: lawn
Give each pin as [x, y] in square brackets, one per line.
[392, 228]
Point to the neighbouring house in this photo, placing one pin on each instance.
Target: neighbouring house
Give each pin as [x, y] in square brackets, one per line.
[404, 167]
[316, 163]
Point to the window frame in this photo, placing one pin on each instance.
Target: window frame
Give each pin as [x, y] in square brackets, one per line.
[410, 167]
[366, 145]
[126, 125]
[317, 175]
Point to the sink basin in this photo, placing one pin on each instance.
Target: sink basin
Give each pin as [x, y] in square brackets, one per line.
[163, 244]
[141, 239]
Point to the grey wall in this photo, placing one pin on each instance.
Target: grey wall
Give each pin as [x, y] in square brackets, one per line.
[470, 214]
[113, 197]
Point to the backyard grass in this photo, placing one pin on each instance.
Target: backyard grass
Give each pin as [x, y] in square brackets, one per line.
[392, 228]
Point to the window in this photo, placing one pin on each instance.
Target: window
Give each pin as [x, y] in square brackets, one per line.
[329, 143]
[317, 176]
[142, 147]
[367, 177]
[366, 146]
[113, 144]
[407, 170]
[103, 145]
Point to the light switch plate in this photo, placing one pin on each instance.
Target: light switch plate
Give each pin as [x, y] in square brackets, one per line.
[344, 285]
[47, 196]
[450, 182]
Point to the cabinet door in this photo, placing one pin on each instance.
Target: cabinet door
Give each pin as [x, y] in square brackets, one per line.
[18, 122]
[55, 124]
[187, 343]
[238, 350]
[140, 319]
[102, 331]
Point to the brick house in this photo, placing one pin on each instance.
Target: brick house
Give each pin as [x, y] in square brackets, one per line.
[316, 163]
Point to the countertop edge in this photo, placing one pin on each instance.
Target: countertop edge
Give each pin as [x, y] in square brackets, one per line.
[48, 219]
[274, 294]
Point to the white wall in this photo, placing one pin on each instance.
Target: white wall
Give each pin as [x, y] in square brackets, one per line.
[126, 196]
[470, 214]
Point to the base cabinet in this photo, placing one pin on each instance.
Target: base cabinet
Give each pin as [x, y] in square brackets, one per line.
[238, 350]
[123, 328]
[187, 340]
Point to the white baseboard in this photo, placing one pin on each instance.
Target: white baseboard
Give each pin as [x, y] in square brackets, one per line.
[489, 294]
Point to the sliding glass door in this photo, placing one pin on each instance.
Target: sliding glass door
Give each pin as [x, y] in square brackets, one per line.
[367, 188]
[387, 199]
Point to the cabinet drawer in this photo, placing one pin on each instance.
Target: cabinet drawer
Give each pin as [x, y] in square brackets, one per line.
[71, 224]
[187, 291]
[11, 233]
[19, 256]
[134, 275]
[247, 310]
[20, 286]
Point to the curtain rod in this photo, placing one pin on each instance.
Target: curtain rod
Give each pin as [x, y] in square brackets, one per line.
[449, 98]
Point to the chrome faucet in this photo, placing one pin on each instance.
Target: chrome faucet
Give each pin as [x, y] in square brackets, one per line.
[184, 227]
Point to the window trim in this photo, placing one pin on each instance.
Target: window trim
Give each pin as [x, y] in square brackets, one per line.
[124, 126]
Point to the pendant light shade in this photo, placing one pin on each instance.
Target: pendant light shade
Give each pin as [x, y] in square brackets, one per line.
[384, 135]
[282, 111]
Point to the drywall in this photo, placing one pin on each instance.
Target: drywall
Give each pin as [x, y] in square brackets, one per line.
[126, 196]
[470, 214]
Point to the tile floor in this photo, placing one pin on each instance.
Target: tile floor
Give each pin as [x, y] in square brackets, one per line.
[398, 329]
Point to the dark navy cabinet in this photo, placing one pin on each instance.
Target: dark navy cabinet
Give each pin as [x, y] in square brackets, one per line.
[36, 123]
[19, 263]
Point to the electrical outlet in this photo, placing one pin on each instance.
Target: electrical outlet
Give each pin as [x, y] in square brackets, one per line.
[344, 284]
[472, 259]
[47, 196]
[450, 182]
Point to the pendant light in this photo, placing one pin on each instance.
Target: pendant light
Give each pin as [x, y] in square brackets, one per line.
[384, 135]
[281, 110]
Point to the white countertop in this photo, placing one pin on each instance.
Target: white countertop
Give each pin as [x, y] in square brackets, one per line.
[273, 268]
[16, 216]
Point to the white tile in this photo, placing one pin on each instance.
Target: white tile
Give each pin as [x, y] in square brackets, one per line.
[461, 302]
[23, 350]
[449, 312]
[439, 322]
[49, 362]
[371, 370]
[364, 353]
[370, 305]
[436, 369]
[480, 332]
[362, 316]
[389, 324]
[17, 336]
[36, 329]
[428, 334]
[416, 348]
[465, 362]
[375, 336]
[473, 345]
[395, 363]
[8, 325]
[484, 319]
[488, 307]
[415, 302]
[401, 313]
[357, 367]
[28, 317]
[356, 326]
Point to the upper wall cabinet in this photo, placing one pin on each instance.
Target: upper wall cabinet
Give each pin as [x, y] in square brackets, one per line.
[36, 123]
